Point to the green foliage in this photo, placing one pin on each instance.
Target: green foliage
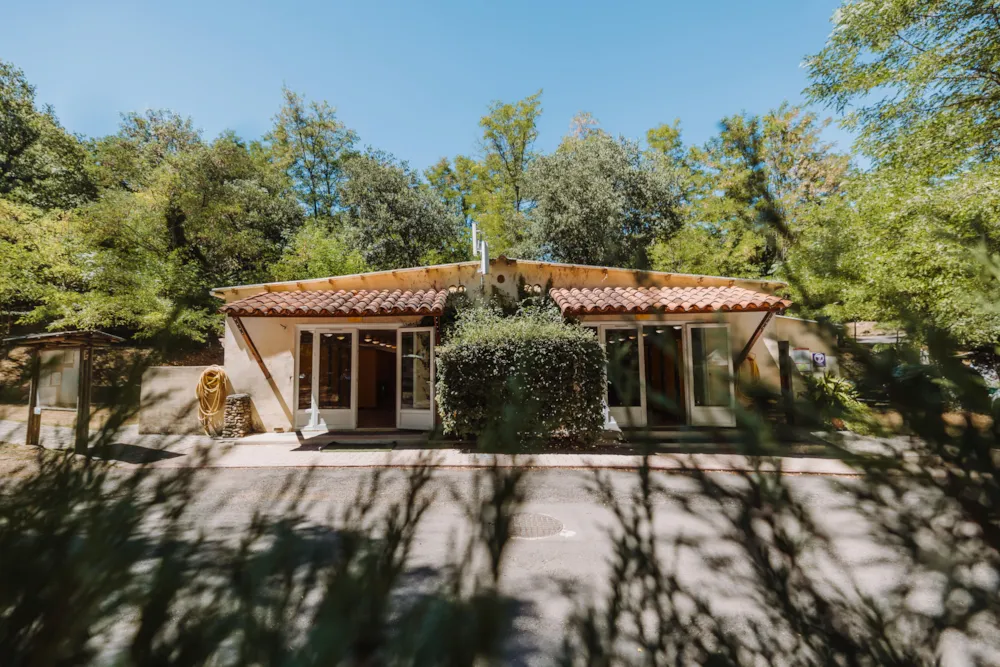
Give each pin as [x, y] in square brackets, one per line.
[41, 164]
[601, 201]
[129, 160]
[835, 400]
[176, 217]
[318, 250]
[310, 145]
[905, 249]
[530, 374]
[753, 187]
[920, 80]
[394, 220]
[497, 184]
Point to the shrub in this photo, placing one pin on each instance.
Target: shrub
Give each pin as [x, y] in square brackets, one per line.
[836, 401]
[529, 376]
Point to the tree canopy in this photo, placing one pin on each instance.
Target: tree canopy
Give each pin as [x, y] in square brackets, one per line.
[918, 80]
[132, 229]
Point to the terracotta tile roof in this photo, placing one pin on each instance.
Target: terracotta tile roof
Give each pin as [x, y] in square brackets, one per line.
[339, 303]
[664, 300]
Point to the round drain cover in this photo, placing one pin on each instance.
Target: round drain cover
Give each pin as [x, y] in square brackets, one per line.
[534, 525]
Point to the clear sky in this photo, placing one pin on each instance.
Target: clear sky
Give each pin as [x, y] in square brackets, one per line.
[413, 78]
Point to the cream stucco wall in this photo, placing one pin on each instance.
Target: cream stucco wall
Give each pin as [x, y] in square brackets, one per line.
[274, 337]
[168, 402]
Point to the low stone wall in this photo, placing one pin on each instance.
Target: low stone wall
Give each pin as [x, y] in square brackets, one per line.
[238, 421]
[168, 402]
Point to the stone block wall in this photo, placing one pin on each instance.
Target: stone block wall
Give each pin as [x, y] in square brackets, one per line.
[238, 421]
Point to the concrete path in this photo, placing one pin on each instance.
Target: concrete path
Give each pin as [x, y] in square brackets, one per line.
[288, 451]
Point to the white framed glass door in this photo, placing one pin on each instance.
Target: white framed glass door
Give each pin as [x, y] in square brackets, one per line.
[709, 363]
[415, 378]
[326, 385]
[626, 390]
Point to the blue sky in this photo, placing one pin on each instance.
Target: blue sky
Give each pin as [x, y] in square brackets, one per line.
[413, 78]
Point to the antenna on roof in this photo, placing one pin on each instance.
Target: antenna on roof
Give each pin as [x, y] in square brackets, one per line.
[475, 240]
[484, 258]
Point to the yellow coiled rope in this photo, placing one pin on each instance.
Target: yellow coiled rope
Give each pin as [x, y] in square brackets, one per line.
[211, 391]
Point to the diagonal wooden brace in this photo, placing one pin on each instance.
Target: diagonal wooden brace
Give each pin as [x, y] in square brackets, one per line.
[741, 357]
[253, 348]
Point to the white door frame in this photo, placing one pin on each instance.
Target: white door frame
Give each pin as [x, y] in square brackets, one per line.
[409, 418]
[627, 416]
[702, 416]
[708, 415]
[331, 418]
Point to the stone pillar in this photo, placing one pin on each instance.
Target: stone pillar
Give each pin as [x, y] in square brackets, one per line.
[238, 417]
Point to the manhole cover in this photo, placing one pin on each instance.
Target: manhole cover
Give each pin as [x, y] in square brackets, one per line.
[534, 525]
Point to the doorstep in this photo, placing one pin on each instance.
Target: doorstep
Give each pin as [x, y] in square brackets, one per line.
[327, 439]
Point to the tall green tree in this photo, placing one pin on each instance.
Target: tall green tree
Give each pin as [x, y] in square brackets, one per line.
[904, 250]
[129, 159]
[310, 144]
[176, 217]
[498, 182]
[41, 164]
[919, 79]
[754, 183]
[600, 200]
[394, 220]
[318, 250]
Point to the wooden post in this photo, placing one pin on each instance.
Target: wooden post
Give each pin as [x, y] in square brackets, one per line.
[34, 420]
[83, 400]
[785, 369]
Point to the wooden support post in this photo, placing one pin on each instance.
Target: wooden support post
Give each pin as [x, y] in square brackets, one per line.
[34, 420]
[83, 400]
[753, 340]
[253, 348]
[785, 370]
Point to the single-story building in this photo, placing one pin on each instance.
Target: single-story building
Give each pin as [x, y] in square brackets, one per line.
[357, 351]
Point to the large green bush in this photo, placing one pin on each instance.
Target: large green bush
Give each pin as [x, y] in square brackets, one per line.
[527, 377]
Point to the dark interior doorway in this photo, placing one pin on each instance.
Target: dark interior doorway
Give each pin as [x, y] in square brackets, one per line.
[377, 379]
[664, 377]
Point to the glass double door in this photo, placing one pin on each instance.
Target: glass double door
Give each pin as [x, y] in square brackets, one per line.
[364, 378]
[668, 374]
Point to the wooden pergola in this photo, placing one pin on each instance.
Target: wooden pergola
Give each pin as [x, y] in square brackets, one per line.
[85, 341]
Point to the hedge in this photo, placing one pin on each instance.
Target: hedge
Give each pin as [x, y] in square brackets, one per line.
[530, 376]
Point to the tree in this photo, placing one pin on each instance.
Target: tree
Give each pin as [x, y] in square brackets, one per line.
[176, 218]
[600, 201]
[921, 79]
[40, 163]
[498, 182]
[394, 220]
[310, 144]
[129, 159]
[752, 186]
[905, 250]
[318, 250]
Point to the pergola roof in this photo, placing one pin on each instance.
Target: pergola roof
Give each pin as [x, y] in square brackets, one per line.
[87, 338]
[665, 300]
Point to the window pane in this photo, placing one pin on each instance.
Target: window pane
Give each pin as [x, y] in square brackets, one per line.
[710, 357]
[622, 347]
[335, 371]
[305, 370]
[416, 363]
